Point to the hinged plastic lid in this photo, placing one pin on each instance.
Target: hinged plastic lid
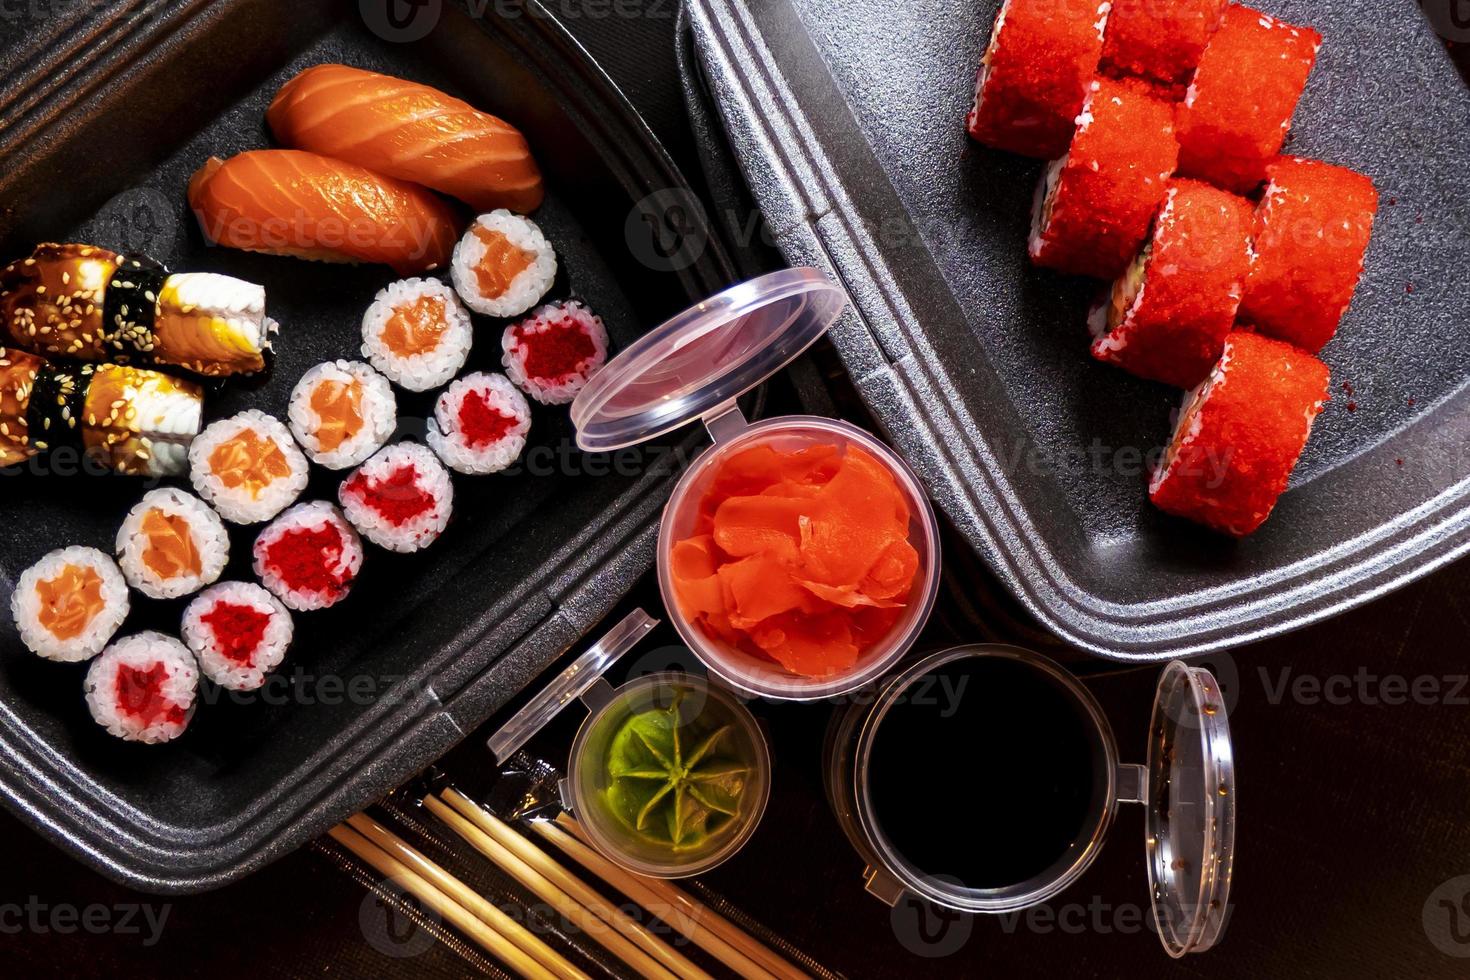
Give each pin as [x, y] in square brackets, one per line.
[1191, 810]
[705, 358]
[570, 684]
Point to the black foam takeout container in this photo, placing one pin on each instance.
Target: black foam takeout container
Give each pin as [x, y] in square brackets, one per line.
[107, 109]
[847, 120]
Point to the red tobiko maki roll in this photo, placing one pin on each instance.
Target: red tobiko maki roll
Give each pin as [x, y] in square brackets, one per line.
[1238, 109]
[1312, 231]
[1167, 318]
[1159, 39]
[1094, 205]
[1034, 75]
[1240, 434]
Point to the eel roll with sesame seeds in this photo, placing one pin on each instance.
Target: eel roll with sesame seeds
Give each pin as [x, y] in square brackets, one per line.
[90, 304]
[127, 420]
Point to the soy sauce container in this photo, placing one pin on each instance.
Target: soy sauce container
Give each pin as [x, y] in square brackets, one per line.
[693, 368]
[723, 748]
[1044, 782]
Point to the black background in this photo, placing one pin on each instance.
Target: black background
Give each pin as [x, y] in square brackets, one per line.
[1352, 808]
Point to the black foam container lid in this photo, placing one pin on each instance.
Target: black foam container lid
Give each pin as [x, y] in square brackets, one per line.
[107, 112]
[847, 121]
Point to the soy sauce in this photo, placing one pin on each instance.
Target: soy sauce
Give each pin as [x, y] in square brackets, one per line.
[986, 772]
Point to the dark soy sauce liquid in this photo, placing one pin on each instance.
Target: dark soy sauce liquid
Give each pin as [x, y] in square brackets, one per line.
[985, 773]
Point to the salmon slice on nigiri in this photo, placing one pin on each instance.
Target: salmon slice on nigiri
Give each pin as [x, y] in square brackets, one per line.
[409, 131]
[289, 202]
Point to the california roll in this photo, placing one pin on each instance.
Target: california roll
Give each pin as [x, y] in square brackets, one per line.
[239, 632]
[309, 556]
[248, 467]
[142, 688]
[171, 544]
[503, 265]
[400, 499]
[69, 604]
[552, 353]
[480, 424]
[342, 412]
[417, 333]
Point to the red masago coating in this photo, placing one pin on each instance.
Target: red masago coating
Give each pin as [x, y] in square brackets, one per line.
[1167, 318]
[1095, 204]
[1240, 434]
[1033, 78]
[1312, 230]
[1239, 106]
[1159, 39]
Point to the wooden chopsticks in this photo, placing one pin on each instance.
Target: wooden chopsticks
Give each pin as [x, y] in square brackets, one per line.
[538, 872]
[487, 937]
[694, 920]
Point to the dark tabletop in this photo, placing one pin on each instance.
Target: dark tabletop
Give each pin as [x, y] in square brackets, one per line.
[1352, 742]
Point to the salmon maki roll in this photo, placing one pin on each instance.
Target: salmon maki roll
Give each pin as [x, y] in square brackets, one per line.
[1161, 40]
[1033, 77]
[1239, 105]
[1166, 319]
[1240, 434]
[409, 131]
[1094, 205]
[286, 202]
[1312, 231]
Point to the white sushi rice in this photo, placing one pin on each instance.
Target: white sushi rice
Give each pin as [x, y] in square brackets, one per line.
[432, 368]
[358, 493]
[214, 661]
[378, 408]
[242, 503]
[561, 389]
[343, 566]
[205, 529]
[446, 435]
[526, 288]
[27, 606]
[117, 709]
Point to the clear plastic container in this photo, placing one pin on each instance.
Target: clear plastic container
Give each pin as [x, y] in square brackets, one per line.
[693, 368]
[1188, 786]
[702, 709]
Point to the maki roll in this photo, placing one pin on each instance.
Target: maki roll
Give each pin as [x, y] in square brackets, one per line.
[127, 420]
[480, 424]
[1167, 317]
[309, 556]
[239, 632]
[1034, 74]
[171, 544]
[142, 688]
[67, 605]
[1094, 205]
[417, 333]
[1238, 109]
[400, 499]
[1240, 433]
[552, 353]
[1160, 40]
[248, 467]
[342, 412]
[503, 265]
[1312, 231]
[89, 304]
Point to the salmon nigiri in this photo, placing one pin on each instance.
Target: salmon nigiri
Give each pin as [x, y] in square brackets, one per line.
[286, 202]
[409, 131]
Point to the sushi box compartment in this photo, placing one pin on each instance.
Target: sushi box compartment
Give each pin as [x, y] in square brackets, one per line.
[846, 118]
[106, 114]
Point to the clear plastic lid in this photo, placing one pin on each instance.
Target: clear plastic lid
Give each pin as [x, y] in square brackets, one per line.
[700, 361]
[1191, 810]
[570, 684]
